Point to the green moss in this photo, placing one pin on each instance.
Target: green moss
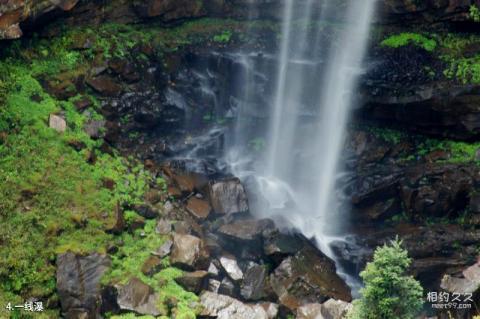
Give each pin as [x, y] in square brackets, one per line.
[224, 37]
[51, 199]
[127, 263]
[458, 152]
[388, 135]
[403, 39]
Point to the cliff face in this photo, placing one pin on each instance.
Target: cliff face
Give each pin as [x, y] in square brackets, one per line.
[155, 88]
[15, 15]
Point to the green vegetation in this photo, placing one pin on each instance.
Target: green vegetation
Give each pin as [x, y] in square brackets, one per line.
[225, 36]
[389, 293]
[127, 263]
[456, 151]
[403, 39]
[458, 51]
[51, 198]
[474, 13]
[53, 195]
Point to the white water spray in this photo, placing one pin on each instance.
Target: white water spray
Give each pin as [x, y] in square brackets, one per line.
[303, 161]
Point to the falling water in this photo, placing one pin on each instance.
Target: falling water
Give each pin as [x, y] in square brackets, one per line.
[303, 156]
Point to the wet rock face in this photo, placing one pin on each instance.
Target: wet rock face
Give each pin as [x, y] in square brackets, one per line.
[78, 284]
[170, 10]
[307, 277]
[13, 12]
[444, 10]
[228, 196]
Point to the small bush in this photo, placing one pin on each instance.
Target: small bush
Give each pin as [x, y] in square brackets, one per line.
[389, 293]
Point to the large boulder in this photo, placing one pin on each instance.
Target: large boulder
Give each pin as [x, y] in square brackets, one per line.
[467, 282]
[78, 284]
[199, 208]
[307, 277]
[254, 283]
[231, 268]
[225, 307]
[193, 281]
[228, 196]
[138, 297]
[331, 309]
[187, 251]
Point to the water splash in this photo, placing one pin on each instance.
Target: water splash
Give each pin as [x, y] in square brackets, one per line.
[310, 110]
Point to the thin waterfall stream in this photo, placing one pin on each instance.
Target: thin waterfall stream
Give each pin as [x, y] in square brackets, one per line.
[296, 174]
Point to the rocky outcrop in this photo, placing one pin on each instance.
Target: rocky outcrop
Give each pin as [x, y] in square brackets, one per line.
[138, 297]
[438, 109]
[307, 277]
[331, 309]
[13, 12]
[187, 251]
[228, 196]
[78, 284]
[224, 307]
[421, 11]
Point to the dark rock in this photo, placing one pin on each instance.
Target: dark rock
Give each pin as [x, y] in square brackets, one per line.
[151, 266]
[78, 284]
[153, 196]
[193, 281]
[109, 183]
[187, 251]
[475, 203]
[94, 128]
[199, 208]
[125, 69]
[138, 297]
[228, 196]
[105, 85]
[254, 281]
[227, 287]
[247, 230]
[119, 224]
[146, 211]
[213, 285]
[307, 277]
[278, 245]
[170, 10]
[138, 223]
[13, 12]
[83, 103]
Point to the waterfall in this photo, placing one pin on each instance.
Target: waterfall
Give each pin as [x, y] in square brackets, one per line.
[310, 106]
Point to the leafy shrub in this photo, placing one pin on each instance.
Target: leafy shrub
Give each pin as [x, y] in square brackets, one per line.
[406, 38]
[474, 13]
[389, 293]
